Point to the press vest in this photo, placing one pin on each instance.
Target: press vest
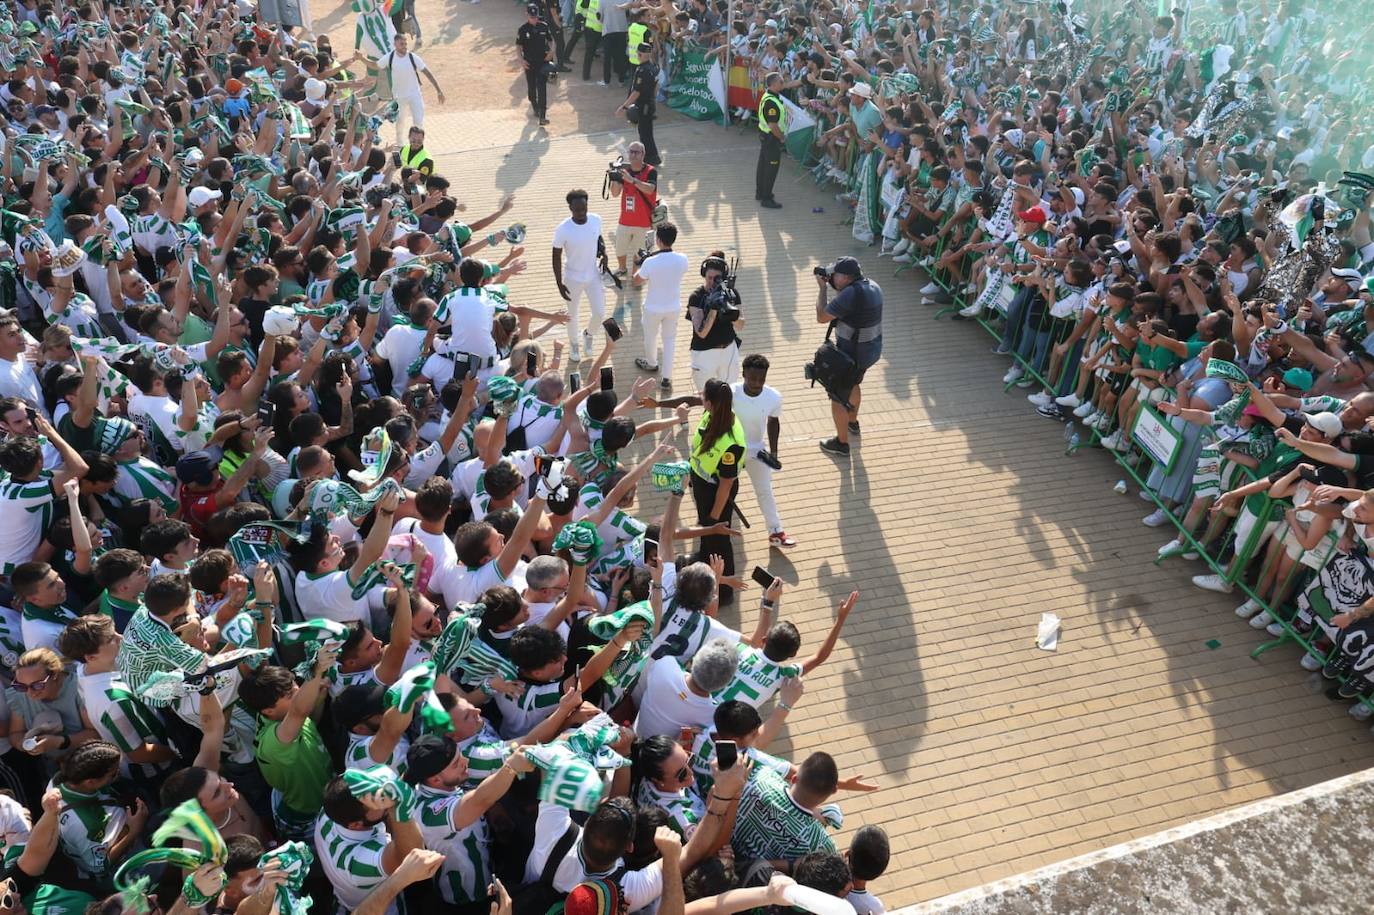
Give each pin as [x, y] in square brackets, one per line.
[639, 34]
[782, 113]
[705, 464]
[591, 14]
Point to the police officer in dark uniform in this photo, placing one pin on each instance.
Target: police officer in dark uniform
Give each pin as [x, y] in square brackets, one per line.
[644, 97]
[535, 42]
[857, 314]
[773, 126]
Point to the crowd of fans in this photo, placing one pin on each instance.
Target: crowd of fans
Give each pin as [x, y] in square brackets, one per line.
[324, 583]
[1159, 216]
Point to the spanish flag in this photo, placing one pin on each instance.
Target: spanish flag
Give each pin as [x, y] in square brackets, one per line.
[741, 92]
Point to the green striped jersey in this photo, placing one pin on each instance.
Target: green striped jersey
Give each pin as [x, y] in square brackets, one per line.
[704, 752]
[120, 717]
[143, 479]
[28, 510]
[357, 756]
[465, 873]
[352, 860]
[756, 677]
[485, 752]
[684, 808]
[88, 825]
[770, 824]
[537, 702]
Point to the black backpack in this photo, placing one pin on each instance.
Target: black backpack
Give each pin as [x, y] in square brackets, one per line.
[539, 897]
[833, 369]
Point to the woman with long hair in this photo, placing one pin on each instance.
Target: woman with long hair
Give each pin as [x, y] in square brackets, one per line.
[716, 458]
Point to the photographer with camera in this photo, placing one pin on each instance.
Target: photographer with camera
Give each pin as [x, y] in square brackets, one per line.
[635, 182]
[855, 317]
[535, 41]
[714, 312]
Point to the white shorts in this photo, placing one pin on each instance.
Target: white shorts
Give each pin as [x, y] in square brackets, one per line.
[1245, 526]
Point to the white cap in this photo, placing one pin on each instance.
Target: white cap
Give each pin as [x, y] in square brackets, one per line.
[770, 24]
[1328, 424]
[314, 90]
[198, 197]
[1077, 195]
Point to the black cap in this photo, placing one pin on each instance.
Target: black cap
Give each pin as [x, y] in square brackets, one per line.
[645, 47]
[847, 266]
[196, 468]
[358, 703]
[532, 9]
[429, 755]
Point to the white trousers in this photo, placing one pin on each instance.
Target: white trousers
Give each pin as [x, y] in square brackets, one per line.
[722, 363]
[761, 477]
[660, 329]
[596, 295]
[408, 108]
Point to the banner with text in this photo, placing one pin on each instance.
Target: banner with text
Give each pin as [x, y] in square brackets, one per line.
[698, 89]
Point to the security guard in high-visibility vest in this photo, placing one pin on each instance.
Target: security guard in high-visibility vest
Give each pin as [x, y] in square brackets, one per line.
[414, 155]
[772, 117]
[589, 11]
[716, 459]
[639, 34]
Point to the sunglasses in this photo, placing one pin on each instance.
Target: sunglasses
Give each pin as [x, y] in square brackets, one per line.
[34, 687]
[683, 774]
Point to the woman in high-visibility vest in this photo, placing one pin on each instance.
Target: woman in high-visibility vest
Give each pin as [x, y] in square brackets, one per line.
[716, 458]
[589, 12]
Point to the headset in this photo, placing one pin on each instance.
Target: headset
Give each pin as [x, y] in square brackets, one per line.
[714, 263]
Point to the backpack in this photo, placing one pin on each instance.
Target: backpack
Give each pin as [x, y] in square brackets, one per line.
[539, 897]
[833, 368]
[384, 90]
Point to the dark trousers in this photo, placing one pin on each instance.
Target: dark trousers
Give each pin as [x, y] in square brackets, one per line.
[594, 41]
[537, 88]
[770, 160]
[616, 54]
[646, 135]
[558, 43]
[704, 495]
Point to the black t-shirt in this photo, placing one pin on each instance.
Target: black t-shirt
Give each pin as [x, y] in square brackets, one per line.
[534, 41]
[646, 84]
[722, 333]
[253, 310]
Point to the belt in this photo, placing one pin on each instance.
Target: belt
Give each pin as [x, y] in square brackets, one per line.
[851, 334]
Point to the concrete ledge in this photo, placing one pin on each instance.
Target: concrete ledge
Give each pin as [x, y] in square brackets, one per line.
[1307, 851]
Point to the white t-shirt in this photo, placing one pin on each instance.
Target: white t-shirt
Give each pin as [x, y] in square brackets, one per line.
[17, 379]
[579, 248]
[439, 546]
[669, 705]
[161, 410]
[641, 887]
[754, 413]
[405, 73]
[663, 272]
[330, 596]
[400, 347]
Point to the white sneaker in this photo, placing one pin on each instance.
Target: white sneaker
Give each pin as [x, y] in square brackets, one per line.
[1111, 441]
[1360, 712]
[1175, 544]
[839, 175]
[1013, 374]
[1104, 422]
[602, 83]
[1069, 400]
[1275, 629]
[902, 246]
[1311, 662]
[1146, 495]
[972, 311]
[902, 258]
[1213, 583]
[1248, 609]
[931, 288]
[1260, 620]
[574, 353]
[1157, 518]
[1083, 410]
[587, 343]
[1040, 400]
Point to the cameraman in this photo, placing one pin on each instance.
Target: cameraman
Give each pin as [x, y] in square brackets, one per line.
[857, 313]
[636, 184]
[713, 310]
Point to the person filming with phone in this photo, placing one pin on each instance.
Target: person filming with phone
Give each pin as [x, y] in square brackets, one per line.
[855, 317]
[635, 182]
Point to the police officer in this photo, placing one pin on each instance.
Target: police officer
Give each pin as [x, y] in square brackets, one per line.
[772, 118]
[644, 95]
[857, 313]
[535, 42]
[589, 11]
[414, 155]
[716, 458]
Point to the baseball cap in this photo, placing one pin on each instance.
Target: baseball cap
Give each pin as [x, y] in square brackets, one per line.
[1328, 424]
[1016, 136]
[1034, 214]
[848, 266]
[198, 197]
[429, 755]
[1077, 195]
[357, 703]
[595, 897]
[532, 9]
[233, 86]
[1298, 378]
[40, 110]
[196, 468]
[1349, 274]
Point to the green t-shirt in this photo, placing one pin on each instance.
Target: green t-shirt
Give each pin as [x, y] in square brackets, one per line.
[299, 769]
[53, 900]
[1156, 358]
[194, 330]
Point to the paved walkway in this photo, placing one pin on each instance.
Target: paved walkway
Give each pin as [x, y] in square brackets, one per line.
[959, 519]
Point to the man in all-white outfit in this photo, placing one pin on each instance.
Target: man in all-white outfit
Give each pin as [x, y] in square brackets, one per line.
[663, 272]
[759, 410]
[403, 69]
[577, 269]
